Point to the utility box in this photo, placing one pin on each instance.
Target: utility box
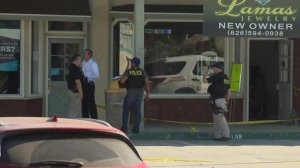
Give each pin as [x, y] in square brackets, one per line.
[114, 97]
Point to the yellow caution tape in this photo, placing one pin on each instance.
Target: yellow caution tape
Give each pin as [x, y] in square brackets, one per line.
[231, 123]
[101, 107]
[64, 91]
[197, 123]
[175, 160]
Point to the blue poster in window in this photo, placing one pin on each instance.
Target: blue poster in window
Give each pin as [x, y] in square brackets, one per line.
[9, 49]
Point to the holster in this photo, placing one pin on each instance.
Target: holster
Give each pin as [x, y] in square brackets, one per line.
[216, 110]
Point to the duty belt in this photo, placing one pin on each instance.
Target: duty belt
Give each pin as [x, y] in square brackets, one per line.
[216, 110]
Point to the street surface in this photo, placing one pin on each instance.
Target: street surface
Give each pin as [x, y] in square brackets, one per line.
[211, 154]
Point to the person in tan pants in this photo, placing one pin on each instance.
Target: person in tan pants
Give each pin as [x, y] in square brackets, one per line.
[220, 93]
[75, 80]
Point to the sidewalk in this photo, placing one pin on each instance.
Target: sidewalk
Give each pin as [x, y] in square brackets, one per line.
[171, 131]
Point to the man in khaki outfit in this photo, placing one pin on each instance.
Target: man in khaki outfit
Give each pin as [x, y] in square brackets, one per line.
[219, 92]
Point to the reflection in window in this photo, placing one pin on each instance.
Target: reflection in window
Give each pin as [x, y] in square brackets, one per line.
[122, 46]
[10, 35]
[65, 26]
[177, 54]
[61, 54]
[165, 68]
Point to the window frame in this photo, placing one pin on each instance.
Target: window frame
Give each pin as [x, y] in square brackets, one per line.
[111, 46]
[64, 32]
[169, 17]
[40, 52]
[189, 96]
[22, 68]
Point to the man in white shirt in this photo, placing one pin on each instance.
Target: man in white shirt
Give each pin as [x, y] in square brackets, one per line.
[91, 73]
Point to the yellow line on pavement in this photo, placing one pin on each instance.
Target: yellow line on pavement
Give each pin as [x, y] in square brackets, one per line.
[294, 162]
[175, 160]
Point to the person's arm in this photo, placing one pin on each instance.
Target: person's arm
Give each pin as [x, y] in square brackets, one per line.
[128, 63]
[204, 80]
[228, 95]
[95, 72]
[227, 82]
[147, 89]
[79, 88]
[124, 77]
[147, 86]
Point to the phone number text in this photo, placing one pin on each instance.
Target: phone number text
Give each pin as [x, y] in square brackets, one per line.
[255, 33]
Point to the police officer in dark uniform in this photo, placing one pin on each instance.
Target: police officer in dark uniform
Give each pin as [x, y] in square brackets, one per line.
[136, 82]
[75, 82]
[219, 91]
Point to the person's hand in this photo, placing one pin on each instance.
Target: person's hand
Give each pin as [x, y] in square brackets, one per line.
[81, 96]
[128, 59]
[227, 101]
[147, 98]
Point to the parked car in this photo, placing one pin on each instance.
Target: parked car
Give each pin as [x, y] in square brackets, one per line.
[181, 74]
[55, 142]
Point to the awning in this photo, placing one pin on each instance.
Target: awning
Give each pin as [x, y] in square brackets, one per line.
[52, 10]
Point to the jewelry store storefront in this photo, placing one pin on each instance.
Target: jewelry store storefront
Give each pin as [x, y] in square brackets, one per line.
[38, 37]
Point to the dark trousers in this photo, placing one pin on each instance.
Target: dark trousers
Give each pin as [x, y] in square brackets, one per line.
[132, 101]
[89, 108]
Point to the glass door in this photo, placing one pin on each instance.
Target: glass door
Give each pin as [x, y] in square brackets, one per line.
[60, 53]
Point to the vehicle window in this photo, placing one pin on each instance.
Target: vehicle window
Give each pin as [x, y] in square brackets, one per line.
[197, 70]
[92, 151]
[164, 68]
[201, 66]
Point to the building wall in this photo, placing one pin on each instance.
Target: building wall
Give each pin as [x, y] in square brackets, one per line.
[189, 110]
[167, 2]
[24, 108]
[99, 40]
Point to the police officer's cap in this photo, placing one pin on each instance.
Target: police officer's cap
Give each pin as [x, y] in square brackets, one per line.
[136, 61]
[218, 65]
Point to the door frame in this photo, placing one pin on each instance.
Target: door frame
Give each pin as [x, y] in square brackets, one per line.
[248, 69]
[47, 64]
[290, 80]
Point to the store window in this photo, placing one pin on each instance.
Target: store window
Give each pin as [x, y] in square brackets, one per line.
[65, 26]
[10, 36]
[177, 54]
[123, 42]
[35, 58]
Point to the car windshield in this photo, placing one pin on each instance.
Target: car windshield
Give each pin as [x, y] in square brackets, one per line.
[164, 68]
[91, 150]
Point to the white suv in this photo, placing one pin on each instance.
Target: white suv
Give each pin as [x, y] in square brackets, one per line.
[181, 75]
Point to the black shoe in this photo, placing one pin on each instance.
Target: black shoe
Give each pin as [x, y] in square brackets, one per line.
[218, 139]
[222, 139]
[135, 131]
[225, 139]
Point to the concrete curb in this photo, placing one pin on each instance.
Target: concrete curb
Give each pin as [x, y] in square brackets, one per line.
[209, 136]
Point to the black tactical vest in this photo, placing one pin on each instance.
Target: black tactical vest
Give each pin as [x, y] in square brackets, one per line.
[136, 78]
[218, 89]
